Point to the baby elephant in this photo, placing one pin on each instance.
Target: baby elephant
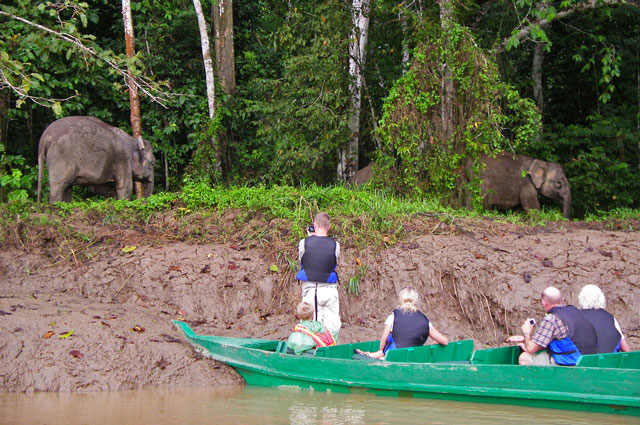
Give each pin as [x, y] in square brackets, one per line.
[511, 180]
[87, 151]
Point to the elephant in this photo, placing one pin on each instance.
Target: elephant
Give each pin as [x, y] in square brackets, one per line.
[363, 175]
[82, 150]
[510, 180]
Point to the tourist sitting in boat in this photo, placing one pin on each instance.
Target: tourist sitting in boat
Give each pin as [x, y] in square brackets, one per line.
[610, 337]
[406, 326]
[563, 336]
[309, 334]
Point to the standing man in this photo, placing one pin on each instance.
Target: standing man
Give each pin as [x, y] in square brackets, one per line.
[318, 254]
[565, 333]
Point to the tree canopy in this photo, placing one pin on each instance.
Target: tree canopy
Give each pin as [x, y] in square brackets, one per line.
[555, 80]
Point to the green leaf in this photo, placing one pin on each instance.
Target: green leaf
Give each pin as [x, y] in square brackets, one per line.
[273, 268]
[67, 335]
[128, 248]
[57, 108]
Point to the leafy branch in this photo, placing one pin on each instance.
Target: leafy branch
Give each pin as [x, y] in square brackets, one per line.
[533, 28]
[8, 67]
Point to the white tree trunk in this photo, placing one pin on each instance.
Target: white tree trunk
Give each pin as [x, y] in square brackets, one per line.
[208, 71]
[405, 45]
[348, 164]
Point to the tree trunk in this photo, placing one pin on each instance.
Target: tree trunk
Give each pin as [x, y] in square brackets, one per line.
[208, 70]
[405, 45]
[536, 75]
[133, 88]
[222, 18]
[446, 89]
[348, 164]
[166, 171]
[5, 101]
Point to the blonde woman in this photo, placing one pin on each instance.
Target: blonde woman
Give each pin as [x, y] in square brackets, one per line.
[406, 326]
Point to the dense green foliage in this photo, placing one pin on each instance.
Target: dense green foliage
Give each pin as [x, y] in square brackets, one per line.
[484, 109]
[288, 119]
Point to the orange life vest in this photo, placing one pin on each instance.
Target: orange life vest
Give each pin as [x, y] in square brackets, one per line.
[324, 339]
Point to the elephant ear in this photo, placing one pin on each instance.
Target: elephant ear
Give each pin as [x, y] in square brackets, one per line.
[536, 171]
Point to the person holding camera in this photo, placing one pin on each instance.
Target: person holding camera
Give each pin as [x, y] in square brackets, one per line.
[318, 254]
[562, 337]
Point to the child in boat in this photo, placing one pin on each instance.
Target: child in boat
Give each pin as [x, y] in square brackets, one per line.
[406, 326]
[308, 334]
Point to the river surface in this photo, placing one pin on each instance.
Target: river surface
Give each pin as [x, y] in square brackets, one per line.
[266, 406]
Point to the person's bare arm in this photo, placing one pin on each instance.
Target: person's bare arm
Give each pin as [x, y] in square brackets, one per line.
[437, 336]
[624, 345]
[383, 338]
[530, 346]
[527, 344]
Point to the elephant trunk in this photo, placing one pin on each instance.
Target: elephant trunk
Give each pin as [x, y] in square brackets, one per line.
[566, 205]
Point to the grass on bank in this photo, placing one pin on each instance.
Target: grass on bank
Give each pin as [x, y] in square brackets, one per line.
[363, 216]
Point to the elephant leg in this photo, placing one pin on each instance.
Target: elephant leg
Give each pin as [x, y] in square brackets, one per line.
[529, 198]
[59, 193]
[124, 189]
[123, 180]
[66, 194]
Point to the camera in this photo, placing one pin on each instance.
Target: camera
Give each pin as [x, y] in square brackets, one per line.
[532, 322]
[311, 229]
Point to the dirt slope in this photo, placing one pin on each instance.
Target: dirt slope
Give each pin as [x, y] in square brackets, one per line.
[479, 280]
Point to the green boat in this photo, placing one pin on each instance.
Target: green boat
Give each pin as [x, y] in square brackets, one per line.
[608, 383]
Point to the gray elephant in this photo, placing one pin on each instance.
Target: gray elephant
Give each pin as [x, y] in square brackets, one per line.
[363, 175]
[511, 180]
[87, 151]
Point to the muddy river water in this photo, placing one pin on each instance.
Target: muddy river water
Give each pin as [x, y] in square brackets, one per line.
[264, 406]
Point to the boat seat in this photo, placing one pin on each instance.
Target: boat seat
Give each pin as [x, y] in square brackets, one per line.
[501, 355]
[364, 358]
[453, 352]
[627, 360]
[345, 351]
[281, 347]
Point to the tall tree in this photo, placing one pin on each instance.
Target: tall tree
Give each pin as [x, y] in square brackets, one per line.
[208, 70]
[348, 162]
[136, 124]
[222, 18]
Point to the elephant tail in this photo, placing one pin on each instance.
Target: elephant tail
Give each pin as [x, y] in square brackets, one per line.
[40, 171]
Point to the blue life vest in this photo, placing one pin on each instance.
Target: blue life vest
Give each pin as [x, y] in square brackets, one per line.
[608, 336]
[318, 263]
[410, 329]
[390, 345]
[581, 339]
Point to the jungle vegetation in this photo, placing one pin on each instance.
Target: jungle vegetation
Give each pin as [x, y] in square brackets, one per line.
[313, 90]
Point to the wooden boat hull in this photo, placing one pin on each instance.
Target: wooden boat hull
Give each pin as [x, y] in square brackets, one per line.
[609, 390]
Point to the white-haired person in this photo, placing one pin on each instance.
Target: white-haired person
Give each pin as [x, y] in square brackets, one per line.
[406, 326]
[610, 337]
